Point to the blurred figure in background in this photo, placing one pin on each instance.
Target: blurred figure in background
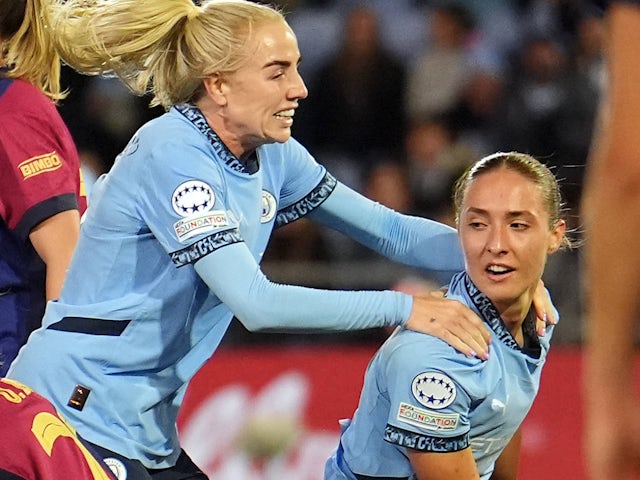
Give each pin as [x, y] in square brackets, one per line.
[102, 115]
[436, 77]
[388, 184]
[475, 118]
[548, 110]
[587, 52]
[356, 111]
[41, 194]
[585, 85]
[612, 216]
[434, 160]
[534, 96]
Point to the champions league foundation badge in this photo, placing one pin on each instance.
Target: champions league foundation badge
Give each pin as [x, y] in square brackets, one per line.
[193, 201]
[433, 390]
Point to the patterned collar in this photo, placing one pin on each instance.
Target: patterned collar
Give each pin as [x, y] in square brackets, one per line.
[490, 315]
[195, 116]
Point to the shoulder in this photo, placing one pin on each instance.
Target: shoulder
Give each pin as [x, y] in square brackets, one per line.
[168, 141]
[20, 98]
[17, 86]
[417, 353]
[23, 91]
[409, 346]
[293, 166]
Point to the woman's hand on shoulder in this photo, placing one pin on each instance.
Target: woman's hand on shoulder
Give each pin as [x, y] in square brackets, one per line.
[451, 321]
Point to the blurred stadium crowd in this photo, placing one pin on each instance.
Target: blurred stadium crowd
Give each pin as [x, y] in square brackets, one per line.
[403, 95]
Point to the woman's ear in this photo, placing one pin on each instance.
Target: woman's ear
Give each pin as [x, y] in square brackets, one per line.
[557, 236]
[214, 87]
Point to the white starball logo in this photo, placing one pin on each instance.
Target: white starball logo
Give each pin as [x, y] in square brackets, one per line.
[433, 390]
[192, 197]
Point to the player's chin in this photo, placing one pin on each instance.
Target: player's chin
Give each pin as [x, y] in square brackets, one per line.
[280, 136]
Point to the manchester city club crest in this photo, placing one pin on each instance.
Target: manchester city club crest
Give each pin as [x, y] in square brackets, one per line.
[268, 207]
[117, 468]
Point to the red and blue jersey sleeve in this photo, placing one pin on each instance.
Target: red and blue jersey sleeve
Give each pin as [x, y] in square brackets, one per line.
[39, 164]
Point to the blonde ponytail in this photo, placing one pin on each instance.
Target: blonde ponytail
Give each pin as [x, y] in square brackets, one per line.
[162, 47]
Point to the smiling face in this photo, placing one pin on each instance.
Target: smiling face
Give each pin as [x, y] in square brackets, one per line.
[257, 102]
[504, 228]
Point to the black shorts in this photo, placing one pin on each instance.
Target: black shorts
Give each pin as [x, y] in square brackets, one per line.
[124, 467]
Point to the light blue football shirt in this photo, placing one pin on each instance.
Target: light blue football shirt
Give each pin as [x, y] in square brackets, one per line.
[420, 393]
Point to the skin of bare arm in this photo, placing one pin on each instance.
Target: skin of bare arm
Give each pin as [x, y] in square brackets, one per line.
[444, 466]
[54, 240]
[506, 467]
[612, 215]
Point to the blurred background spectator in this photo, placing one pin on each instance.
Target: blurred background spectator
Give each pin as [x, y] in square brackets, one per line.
[437, 76]
[356, 114]
[435, 159]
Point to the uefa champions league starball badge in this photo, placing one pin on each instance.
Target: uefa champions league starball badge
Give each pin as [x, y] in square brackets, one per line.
[433, 389]
[192, 197]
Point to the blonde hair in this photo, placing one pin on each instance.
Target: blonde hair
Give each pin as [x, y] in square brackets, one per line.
[528, 167]
[29, 51]
[162, 47]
